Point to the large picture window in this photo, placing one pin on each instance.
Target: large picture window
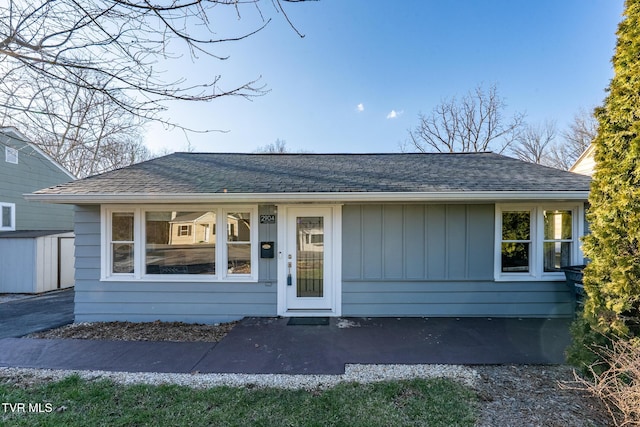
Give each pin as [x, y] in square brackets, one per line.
[536, 241]
[174, 243]
[172, 246]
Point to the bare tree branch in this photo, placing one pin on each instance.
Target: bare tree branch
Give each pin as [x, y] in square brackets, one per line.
[85, 131]
[533, 142]
[277, 147]
[575, 140]
[473, 123]
[117, 48]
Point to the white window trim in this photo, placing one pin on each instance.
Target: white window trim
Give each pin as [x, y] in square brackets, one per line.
[13, 216]
[11, 155]
[536, 270]
[140, 238]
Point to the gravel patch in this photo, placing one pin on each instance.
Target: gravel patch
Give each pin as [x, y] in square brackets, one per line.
[353, 373]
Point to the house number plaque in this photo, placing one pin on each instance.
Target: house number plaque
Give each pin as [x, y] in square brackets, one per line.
[267, 219]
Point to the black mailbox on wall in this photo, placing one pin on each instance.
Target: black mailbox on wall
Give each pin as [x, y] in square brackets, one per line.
[267, 250]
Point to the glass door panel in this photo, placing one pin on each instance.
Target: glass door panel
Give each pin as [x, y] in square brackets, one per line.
[309, 256]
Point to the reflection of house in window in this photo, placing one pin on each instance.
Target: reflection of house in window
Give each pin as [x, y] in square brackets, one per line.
[238, 227]
[180, 242]
[184, 230]
[192, 227]
[311, 235]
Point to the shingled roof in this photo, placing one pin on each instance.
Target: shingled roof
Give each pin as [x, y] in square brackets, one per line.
[233, 174]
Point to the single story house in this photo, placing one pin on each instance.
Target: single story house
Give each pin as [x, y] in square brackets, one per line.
[425, 235]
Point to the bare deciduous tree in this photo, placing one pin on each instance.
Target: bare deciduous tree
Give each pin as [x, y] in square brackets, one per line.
[83, 130]
[117, 47]
[473, 123]
[533, 143]
[577, 138]
[81, 77]
[277, 147]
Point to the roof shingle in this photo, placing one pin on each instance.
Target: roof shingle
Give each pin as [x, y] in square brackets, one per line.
[194, 173]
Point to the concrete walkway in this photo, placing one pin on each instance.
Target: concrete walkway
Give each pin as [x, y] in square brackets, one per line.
[23, 316]
[270, 346]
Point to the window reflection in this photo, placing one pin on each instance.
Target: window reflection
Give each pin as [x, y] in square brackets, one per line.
[180, 242]
[558, 239]
[516, 244]
[239, 243]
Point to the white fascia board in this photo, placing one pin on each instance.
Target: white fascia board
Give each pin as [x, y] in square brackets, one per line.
[355, 197]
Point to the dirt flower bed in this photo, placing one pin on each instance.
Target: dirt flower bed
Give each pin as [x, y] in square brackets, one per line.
[526, 395]
[149, 331]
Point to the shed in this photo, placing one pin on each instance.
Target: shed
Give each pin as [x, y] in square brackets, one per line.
[36, 261]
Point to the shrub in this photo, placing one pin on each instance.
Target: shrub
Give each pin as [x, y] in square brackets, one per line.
[616, 380]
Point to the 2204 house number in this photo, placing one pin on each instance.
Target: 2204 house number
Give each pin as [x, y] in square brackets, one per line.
[267, 219]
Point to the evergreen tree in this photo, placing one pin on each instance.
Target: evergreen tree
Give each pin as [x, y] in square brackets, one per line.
[612, 279]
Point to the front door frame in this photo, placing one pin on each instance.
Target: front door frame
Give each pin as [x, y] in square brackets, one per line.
[334, 257]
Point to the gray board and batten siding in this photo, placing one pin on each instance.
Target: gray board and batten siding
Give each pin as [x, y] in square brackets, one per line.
[421, 260]
[144, 301]
[434, 260]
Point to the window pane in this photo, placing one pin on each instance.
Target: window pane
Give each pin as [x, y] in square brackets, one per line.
[516, 225]
[122, 227]
[239, 258]
[122, 257]
[180, 242]
[556, 255]
[310, 256]
[515, 257]
[6, 216]
[557, 225]
[239, 227]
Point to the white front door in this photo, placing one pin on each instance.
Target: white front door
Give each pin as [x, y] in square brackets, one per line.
[310, 276]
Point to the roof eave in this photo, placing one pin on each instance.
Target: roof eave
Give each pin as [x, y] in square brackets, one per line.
[449, 196]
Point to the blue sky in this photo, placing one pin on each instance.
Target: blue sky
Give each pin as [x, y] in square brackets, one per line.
[336, 89]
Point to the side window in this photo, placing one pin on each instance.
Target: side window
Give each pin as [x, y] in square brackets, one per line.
[7, 217]
[238, 243]
[536, 241]
[558, 239]
[11, 155]
[122, 243]
[516, 242]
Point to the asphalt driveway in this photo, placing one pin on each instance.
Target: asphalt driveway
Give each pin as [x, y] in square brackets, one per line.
[40, 312]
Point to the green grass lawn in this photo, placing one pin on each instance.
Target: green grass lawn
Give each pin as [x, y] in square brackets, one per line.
[419, 402]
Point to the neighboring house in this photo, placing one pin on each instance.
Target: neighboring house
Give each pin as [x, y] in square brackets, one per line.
[475, 234]
[25, 168]
[586, 163]
[33, 236]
